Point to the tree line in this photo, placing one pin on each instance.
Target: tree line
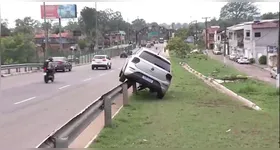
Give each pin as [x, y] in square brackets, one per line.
[18, 44]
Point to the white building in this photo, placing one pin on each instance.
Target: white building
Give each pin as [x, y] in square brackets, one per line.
[252, 39]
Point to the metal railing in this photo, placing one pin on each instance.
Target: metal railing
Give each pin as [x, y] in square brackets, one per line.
[85, 59]
[67, 133]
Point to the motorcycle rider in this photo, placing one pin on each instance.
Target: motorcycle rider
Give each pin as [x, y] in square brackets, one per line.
[49, 66]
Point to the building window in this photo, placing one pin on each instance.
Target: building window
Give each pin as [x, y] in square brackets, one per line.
[247, 33]
[257, 34]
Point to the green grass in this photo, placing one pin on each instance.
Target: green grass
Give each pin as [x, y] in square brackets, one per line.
[263, 94]
[192, 115]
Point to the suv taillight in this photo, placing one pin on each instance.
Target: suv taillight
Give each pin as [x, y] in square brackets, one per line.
[135, 60]
[104, 59]
[169, 77]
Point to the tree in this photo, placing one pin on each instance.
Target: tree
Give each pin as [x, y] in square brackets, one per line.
[88, 21]
[18, 49]
[138, 24]
[238, 11]
[182, 33]
[55, 28]
[178, 45]
[25, 25]
[5, 31]
[270, 15]
[72, 25]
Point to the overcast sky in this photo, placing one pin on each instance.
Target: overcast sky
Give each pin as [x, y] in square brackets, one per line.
[159, 11]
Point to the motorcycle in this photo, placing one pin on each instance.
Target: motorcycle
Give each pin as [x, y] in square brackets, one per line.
[48, 76]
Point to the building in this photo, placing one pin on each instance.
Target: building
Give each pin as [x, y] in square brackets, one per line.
[210, 36]
[117, 37]
[67, 40]
[254, 39]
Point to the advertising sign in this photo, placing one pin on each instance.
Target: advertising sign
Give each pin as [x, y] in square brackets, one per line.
[59, 11]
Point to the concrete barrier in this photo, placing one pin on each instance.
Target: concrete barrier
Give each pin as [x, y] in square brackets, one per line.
[211, 82]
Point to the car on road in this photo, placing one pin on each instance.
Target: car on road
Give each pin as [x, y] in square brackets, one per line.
[149, 69]
[243, 60]
[124, 54]
[62, 64]
[148, 45]
[161, 40]
[273, 72]
[103, 61]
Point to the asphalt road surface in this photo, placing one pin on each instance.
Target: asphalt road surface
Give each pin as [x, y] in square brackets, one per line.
[30, 109]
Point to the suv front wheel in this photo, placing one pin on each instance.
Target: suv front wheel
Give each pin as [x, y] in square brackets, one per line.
[160, 95]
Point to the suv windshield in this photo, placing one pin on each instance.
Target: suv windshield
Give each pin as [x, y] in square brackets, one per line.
[99, 57]
[156, 60]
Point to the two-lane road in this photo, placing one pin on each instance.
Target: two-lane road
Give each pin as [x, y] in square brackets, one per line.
[31, 109]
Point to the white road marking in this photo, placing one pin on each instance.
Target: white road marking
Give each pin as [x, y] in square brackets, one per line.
[87, 79]
[29, 99]
[64, 87]
[102, 74]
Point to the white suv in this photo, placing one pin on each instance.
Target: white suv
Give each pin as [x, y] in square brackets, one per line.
[148, 69]
[101, 61]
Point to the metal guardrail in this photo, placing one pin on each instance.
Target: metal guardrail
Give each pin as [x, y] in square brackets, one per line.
[67, 133]
[85, 59]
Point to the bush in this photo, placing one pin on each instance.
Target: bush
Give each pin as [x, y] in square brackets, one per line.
[180, 48]
[263, 60]
[82, 44]
[252, 60]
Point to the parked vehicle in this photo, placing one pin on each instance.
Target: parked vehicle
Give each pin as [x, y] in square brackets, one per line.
[243, 60]
[62, 64]
[148, 69]
[273, 72]
[103, 61]
[232, 56]
[216, 52]
[143, 43]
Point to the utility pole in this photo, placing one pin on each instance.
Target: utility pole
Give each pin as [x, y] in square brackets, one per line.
[206, 32]
[278, 52]
[225, 41]
[0, 59]
[195, 38]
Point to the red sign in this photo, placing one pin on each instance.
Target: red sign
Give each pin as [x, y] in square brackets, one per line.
[51, 11]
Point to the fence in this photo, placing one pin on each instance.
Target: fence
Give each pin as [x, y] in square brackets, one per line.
[66, 134]
[84, 59]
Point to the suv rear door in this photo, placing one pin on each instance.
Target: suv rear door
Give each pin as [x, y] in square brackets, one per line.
[153, 65]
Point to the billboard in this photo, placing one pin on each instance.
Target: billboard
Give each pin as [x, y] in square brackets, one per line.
[59, 11]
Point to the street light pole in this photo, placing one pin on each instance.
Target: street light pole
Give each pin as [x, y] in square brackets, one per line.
[96, 37]
[46, 32]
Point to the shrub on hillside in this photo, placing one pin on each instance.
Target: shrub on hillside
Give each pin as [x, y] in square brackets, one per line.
[262, 60]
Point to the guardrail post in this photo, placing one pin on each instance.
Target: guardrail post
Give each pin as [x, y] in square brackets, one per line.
[9, 71]
[134, 88]
[125, 94]
[107, 111]
[25, 69]
[61, 142]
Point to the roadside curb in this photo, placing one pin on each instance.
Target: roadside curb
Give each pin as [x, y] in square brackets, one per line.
[211, 82]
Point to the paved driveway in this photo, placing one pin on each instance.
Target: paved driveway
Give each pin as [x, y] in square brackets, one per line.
[255, 72]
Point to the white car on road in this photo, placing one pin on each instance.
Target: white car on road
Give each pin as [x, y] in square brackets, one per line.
[103, 61]
[243, 60]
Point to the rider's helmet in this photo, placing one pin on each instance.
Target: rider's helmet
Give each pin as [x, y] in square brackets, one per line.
[50, 59]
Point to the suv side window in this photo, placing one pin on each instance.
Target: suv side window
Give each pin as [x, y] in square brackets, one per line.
[156, 60]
